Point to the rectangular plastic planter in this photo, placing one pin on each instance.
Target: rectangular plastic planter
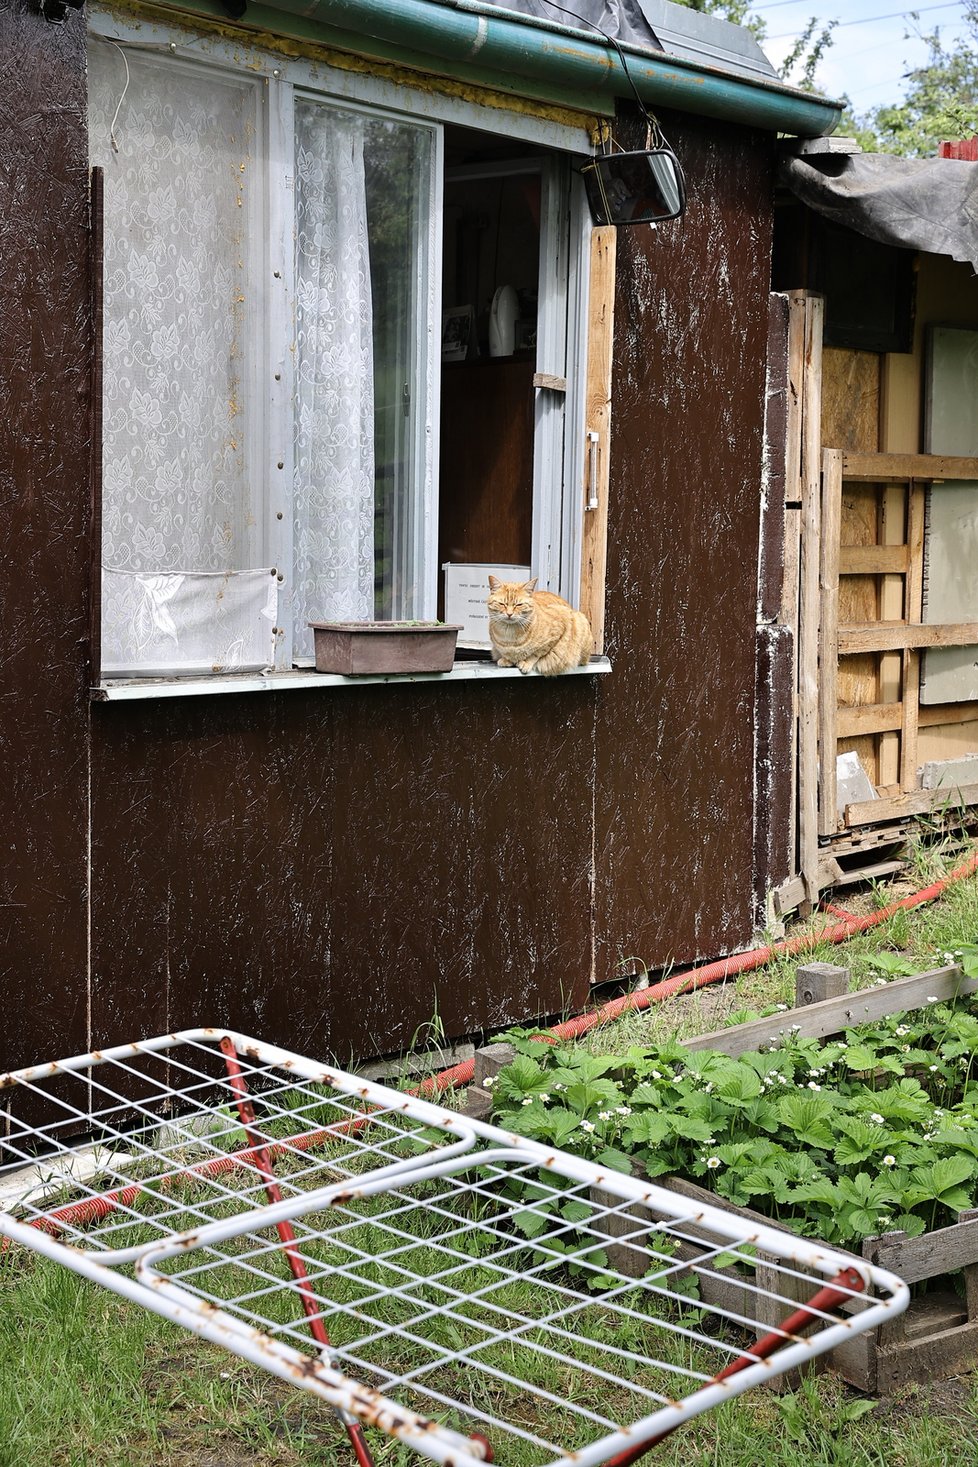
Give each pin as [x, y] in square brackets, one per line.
[360, 648]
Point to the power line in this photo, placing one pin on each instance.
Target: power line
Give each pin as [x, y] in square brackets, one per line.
[868, 20]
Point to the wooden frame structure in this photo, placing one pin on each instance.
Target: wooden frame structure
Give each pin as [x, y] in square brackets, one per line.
[837, 709]
[904, 636]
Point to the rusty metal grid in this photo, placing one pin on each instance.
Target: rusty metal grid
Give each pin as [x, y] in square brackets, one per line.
[421, 1272]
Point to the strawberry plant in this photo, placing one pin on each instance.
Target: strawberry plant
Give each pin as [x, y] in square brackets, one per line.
[872, 1131]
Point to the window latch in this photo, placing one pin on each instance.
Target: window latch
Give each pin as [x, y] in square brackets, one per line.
[406, 399]
[592, 469]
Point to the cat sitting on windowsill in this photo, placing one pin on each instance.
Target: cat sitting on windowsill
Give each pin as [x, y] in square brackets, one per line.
[536, 631]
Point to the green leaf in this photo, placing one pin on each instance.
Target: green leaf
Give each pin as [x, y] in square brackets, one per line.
[738, 1085]
[892, 964]
[520, 1076]
[690, 1128]
[807, 1117]
[647, 1126]
[618, 1161]
[531, 1223]
[859, 1057]
[908, 1222]
[860, 1140]
[941, 1182]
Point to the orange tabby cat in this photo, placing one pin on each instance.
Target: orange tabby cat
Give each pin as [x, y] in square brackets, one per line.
[536, 631]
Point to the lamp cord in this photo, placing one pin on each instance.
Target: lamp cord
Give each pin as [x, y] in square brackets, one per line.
[653, 125]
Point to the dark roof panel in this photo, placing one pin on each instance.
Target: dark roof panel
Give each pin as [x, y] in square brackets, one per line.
[657, 25]
[707, 40]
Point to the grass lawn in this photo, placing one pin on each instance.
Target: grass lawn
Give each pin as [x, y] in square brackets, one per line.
[86, 1378]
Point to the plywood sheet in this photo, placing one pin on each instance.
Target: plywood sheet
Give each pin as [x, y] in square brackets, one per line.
[858, 677]
[947, 741]
[850, 399]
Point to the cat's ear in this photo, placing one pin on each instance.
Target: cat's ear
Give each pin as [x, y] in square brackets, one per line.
[494, 582]
[531, 585]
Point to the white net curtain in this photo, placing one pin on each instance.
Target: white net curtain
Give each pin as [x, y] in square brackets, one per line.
[179, 430]
[187, 582]
[334, 446]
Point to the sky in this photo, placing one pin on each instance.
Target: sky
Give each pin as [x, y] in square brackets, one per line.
[875, 43]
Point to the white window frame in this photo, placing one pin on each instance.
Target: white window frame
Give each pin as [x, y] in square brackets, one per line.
[565, 230]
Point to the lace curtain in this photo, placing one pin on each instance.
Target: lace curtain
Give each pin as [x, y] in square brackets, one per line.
[334, 430]
[183, 191]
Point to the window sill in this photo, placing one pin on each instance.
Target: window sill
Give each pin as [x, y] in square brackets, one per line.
[128, 689]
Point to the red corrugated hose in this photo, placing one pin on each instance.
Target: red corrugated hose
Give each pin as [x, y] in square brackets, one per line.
[688, 981]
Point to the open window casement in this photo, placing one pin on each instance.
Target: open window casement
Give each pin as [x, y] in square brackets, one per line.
[277, 262]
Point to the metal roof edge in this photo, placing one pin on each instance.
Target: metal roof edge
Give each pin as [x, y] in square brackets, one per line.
[505, 47]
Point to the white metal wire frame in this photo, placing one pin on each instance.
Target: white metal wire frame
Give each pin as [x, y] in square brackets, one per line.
[462, 1274]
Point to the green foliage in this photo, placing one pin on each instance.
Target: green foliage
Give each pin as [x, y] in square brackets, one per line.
[941, 100]
[801, 63]
[874, 1131]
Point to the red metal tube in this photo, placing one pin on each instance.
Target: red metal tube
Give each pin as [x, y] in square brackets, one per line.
[286, 1232]
[824, 1301]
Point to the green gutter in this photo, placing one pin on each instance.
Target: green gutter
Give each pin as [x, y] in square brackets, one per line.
[476, 42]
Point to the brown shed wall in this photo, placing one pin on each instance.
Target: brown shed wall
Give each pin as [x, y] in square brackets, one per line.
[335, 869]
[45, 409]
[674, 786]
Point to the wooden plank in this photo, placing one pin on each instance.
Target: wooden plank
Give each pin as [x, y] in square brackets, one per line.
[96, 288]
[600, 331]
[831, 532]
[858, 678]
[873, 872]
[873, 560]
[791, 584]
[892, 531]
[913, 610]
[550, 381]
[894, 636]
[876, 717]
[796, 376]
[940, 1355]
[942, 1251]
[887, 468]
[918, 802]
[861, 842]
[810, 607]
[834, 1014]
[870, 718]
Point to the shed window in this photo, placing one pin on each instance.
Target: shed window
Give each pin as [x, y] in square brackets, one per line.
[276, 262]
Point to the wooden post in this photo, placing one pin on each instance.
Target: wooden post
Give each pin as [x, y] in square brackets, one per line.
[828, 818]
[488, 1062]
[894, 500]
[600, 349]
[792, 528]
[815, 982]
[810, 599]
[912, 612]
[970, 1271]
